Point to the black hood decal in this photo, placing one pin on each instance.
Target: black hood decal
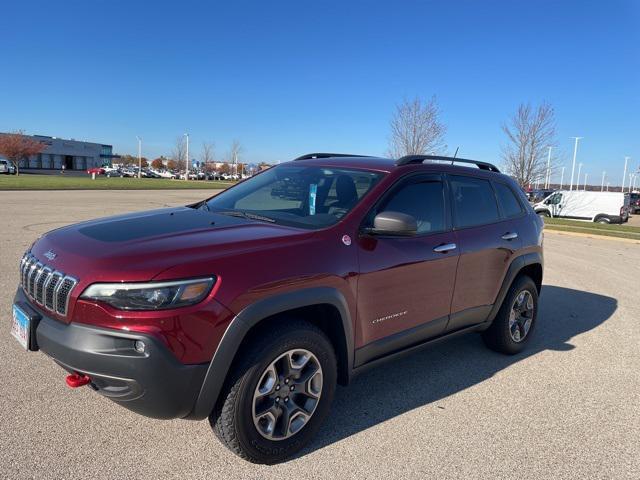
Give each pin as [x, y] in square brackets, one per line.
[154, 224]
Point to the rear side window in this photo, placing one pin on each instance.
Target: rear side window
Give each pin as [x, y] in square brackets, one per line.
[474, 202]
[510, 205]
[423, 200]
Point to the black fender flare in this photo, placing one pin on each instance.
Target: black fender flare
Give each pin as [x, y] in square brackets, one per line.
[514, 269]
[250, 317]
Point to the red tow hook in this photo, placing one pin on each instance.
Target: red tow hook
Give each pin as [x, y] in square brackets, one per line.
[76, 380]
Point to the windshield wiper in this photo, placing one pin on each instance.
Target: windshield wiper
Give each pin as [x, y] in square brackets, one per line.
[250, 216]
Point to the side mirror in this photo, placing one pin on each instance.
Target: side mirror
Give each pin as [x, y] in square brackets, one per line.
[394, 223]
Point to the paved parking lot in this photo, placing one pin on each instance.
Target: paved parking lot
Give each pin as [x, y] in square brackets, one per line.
[569, 407]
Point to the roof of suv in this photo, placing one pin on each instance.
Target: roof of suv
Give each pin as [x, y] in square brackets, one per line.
[387, 164]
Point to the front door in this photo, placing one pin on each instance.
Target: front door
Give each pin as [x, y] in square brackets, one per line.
[405, 286]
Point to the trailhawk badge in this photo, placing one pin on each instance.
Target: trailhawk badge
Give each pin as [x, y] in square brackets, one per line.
[51, 255]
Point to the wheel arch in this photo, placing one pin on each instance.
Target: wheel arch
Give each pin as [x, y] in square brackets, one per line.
[529, 264]
[325, 307]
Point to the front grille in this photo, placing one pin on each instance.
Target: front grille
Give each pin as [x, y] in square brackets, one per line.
[46, 286]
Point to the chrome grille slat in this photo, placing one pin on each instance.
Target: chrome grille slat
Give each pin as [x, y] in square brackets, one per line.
[33, 272]
[47, 287]
[39, 284]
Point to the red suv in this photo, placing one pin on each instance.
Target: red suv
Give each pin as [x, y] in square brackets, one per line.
[247, 308]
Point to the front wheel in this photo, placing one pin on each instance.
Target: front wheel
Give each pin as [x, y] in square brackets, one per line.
[277, 393]
[544, 213]
[603, 220]
[511, 329]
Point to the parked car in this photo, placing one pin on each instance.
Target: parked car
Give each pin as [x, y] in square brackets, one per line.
[167, 174]
[7, 167]
[112, 172]
[247, 308]
[634, 202]
[96, 170]
[600, 207]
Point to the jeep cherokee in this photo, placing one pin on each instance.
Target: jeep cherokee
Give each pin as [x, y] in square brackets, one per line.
[249, 307]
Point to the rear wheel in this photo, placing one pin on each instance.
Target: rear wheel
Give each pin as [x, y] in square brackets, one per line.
[604, 220]
[277, 394]
[511, 329]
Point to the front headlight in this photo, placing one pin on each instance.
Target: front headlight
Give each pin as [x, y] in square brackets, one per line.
[151, 295]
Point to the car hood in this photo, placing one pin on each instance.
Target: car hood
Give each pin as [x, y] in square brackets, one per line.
[139, 246]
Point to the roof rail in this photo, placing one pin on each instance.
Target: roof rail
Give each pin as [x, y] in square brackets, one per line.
[409, 159]
[326, 155]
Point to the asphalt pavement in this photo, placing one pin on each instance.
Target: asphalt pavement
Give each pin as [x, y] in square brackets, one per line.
[568, 407]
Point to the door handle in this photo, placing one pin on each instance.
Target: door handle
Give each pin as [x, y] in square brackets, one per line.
[509, 236]
[445, 247]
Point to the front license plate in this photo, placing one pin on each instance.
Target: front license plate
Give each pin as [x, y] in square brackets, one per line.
[20, 326]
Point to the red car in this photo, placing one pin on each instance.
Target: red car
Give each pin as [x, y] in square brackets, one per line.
[247, 308]
[96, 170]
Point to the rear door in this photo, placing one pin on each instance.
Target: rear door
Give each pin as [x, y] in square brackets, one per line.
[405, 286]
[487, 238]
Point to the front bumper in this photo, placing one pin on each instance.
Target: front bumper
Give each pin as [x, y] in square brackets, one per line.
[152, 383]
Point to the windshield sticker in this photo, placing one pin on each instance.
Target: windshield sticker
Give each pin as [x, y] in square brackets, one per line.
[313, 190]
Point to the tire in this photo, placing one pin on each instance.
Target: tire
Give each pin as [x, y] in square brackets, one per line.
[232, 419]
[604, 220]
[499, 335]
[544, 213]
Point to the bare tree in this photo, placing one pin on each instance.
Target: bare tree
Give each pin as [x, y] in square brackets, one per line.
[207, 156]
[416, 129]
[17, 146]
[234, 154]
[179, 152]
[529, 133]
[208, 153]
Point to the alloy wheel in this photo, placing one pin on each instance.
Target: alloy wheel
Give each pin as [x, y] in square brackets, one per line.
[521, 316]
[287, 394]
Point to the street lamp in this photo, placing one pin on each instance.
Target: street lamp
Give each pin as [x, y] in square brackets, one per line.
[139, 156]
[186, 172]
[548, 177]
[573, 165]
[578, 180]
[562, 178]
[604, 174]
[624, 175]
[585, 181]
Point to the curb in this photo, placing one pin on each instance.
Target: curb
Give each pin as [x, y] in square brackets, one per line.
[591, 235]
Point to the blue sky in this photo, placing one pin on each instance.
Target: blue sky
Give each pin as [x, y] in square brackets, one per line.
[288, 77]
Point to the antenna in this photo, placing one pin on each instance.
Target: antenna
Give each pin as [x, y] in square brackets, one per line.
[455, 154]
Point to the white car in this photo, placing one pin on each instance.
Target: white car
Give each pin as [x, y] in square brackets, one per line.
[7, 167]
[601, 207]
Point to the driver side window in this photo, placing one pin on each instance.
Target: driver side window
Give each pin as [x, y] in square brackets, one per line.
[423, 200]
[554, 199]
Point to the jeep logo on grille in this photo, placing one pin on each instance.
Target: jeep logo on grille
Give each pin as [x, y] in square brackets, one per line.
[51, 255]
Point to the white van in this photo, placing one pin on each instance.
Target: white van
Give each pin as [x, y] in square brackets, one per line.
[601, 207]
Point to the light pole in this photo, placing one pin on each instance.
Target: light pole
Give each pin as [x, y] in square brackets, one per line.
[139, 156]
[585, 181]
[573, 165]
[186, 172]
[608, 183]
[604, 174]
[578, 180]
[548, 177]
[624, 174]
[562, 178]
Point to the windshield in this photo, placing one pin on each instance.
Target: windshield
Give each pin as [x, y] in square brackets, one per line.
[302, 196]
